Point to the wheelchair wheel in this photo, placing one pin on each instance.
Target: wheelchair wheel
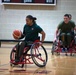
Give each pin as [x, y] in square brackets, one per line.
[12, 54]
[39, 55]
[13, 57]
[53, 48]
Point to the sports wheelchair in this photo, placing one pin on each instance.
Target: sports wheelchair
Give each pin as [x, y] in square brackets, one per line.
[33, 53]
[58, 48]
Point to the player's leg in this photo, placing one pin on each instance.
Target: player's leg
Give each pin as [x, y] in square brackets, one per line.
[23, 44]
[63, 38]
[69, 39]
[20, 50]
[17, 51]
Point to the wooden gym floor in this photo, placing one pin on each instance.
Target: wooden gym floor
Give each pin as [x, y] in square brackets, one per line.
[57, 65]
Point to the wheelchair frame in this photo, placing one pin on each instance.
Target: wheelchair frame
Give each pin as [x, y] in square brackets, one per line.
[56, 47]
[25, 58]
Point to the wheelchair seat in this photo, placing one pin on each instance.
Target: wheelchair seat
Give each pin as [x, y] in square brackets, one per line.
[29, 43]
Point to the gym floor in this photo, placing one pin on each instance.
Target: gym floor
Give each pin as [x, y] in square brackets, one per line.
[56, 65]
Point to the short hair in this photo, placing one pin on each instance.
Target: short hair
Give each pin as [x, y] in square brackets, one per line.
[66, 15]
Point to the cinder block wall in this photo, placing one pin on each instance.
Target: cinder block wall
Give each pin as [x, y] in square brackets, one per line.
[48, 17]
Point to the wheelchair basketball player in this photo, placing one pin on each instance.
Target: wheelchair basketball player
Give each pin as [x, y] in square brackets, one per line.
[30, 33]
[66, 29]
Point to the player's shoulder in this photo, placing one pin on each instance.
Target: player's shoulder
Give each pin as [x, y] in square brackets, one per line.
[72, 22]
[25, 25]
[61, 23]
[36, 25]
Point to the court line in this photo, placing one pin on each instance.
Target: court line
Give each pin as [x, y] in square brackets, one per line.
[49, 60]
[43, 54]
[8, 63]
[4, 64]
[5, 73]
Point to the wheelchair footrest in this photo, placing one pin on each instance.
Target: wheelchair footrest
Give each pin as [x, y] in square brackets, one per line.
[28, 62]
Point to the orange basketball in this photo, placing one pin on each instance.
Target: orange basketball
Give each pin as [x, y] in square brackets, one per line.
[17, 34]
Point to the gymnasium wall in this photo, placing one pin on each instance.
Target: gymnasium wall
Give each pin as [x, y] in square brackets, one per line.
[13, 17]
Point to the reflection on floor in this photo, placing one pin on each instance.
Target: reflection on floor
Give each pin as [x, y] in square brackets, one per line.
[57, 65]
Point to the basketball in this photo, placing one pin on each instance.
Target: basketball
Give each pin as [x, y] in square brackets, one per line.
[17, 34]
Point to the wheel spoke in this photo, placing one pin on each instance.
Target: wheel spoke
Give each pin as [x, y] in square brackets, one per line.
[39, 55]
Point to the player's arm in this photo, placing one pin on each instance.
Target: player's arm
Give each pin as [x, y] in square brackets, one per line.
[56, 32]
[74, 26]
[43, 36]
[58, 29]
[23, 34]
[40, 30]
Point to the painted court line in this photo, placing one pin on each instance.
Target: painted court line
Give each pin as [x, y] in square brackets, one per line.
[4, 64]
[4, 73]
